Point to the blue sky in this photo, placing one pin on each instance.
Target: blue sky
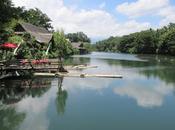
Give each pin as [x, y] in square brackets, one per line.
[110, 6]
[100, 19]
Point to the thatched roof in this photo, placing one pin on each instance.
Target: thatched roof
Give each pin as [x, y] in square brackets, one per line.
[41, 34]
[76, 45]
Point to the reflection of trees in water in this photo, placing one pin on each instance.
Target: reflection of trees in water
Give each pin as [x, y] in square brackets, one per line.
[9, 118]
[61, 98]
[161, 60]
[145, 61]
[77, 60]
[11, 95]
[158, 67]
[165, 74]
[126, 63]
[12, 91]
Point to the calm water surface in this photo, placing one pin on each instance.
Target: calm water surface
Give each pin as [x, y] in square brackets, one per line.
[144, 99]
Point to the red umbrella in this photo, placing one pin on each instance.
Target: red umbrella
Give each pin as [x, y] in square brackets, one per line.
[9, 45]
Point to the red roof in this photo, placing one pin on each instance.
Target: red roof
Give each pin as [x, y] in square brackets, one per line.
[9, 45]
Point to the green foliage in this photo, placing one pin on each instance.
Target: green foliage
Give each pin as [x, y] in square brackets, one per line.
[61, 47]
[89, 47]
[109, 44]
[10, 16]
[167, 42]
[5, 12]
[160, 41]
[36, 17]
[9, 13]
[8, 30]
[31, 49]
[78, 37]
[15, 39]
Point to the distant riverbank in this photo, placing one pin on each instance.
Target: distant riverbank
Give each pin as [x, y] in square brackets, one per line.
[160, 41]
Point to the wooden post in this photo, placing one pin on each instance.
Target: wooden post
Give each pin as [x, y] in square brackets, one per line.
[14, 53]
[48, 48]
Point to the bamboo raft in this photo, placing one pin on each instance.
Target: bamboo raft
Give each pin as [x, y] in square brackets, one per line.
[49, 70]
[82, 75]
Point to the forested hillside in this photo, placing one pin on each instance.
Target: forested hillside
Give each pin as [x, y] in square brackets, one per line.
[160, 41]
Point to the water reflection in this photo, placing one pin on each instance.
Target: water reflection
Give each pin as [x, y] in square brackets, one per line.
[148, 80]
[93, 103]
[13, 97]
[147, 97]
[77, 61]
[165, 74]
[10, 119]
[161, 67]
[12, 91]
[61, 98]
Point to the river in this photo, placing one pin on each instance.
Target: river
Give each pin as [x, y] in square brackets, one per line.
[143, 99]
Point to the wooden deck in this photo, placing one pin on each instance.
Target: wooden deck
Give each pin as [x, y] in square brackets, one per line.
[5, 66]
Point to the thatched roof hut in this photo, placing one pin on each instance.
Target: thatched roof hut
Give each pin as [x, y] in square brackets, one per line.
[80, 47]
[41, 34]
[77, 45]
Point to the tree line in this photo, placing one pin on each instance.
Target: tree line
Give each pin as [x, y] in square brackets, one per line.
[160, 41]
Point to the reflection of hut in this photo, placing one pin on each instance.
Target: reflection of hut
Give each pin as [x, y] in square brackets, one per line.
[13, 91]
[79, 46]
[40, 34]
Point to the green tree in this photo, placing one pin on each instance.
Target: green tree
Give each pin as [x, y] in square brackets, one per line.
[37, 17]
[61, 47]
[167, 43]
[109, 44]
[6, 11]
[78, 37]
[126, 43]
[145, 42]
[160, 41]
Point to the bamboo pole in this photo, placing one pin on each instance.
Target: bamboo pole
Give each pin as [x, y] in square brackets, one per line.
[82, 75]
[84, 67]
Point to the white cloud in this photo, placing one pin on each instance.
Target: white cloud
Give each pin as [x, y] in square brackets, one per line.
[161, 8]
[141, 7]
[147, 97]
[35, 109]
[35, 115]
[95, 23]
[167, 14]
[95, 84]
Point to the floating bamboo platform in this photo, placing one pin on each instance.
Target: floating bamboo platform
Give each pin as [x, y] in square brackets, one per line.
[82, 75]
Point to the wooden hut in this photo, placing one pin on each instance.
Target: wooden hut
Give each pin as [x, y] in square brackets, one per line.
[79, 46]
[41, 34]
